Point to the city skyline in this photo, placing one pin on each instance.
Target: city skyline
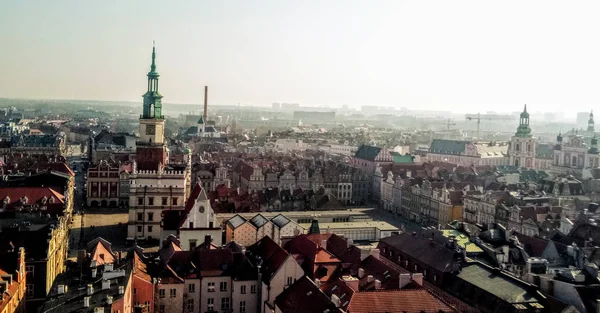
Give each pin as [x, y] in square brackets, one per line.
[313, 54]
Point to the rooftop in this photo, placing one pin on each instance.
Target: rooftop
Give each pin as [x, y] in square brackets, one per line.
[392, 301]
[501, 285]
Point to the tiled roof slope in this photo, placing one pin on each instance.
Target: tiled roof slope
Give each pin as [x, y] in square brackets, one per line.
[303, 297]
[271, 255]
[397, 301]
[444, 146]
[368, 153]
[422, 249]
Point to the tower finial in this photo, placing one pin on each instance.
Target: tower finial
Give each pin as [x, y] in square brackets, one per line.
[525, 108]
[153, 66]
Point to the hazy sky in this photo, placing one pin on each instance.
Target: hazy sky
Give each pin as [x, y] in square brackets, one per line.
[460, 55]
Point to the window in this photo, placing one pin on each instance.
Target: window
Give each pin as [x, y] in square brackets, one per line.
[149, 229]
[242, 306]
[252, 288]
[289, 281]
[161, 308]
[223, 286]
[434, 277]
[165, 200]
[151, 201]
[210, 303]
[211, 287]
[29, 290]
[134, 291]
[243, 289]
[140, 229]
[193, 243]
[29, 269]
[161, 293]
[150, 217]
[140, 216]
[225, 303]
[191, 287]
[190, 305]
[174, 202]
[415, 267]
[140, 201]
[173, 293]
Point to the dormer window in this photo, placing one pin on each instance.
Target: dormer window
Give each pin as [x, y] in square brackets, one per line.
[24, 200]
[7, 200]
[44, 200]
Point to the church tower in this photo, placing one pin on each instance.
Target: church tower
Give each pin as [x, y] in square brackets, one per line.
[590, 127]
[522, 145]
[151, 150]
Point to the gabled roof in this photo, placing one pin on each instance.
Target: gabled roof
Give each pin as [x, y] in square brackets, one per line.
[236, 221]
[271, 255]
[100, 251]
[259, 220]
[304, 296]
[196, 194]
[280, 220]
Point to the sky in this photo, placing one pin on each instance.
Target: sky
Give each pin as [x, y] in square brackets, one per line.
[464, 56]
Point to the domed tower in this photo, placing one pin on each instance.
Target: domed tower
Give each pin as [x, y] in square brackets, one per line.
[590, 127]
[557, 151]
[522, 145]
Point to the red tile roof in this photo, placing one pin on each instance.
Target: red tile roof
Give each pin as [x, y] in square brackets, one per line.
[47, 199]
[396, 301]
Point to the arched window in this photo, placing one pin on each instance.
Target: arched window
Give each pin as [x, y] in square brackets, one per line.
[517, 162]
[517, 147]
[528, 147]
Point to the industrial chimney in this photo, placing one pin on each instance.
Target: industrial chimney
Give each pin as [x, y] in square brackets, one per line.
[205, 103]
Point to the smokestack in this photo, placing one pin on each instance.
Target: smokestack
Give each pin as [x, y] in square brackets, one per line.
[205, 103]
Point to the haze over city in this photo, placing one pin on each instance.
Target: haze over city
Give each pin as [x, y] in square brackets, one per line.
[461, 55]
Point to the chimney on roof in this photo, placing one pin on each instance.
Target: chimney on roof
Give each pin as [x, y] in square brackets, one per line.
[324, 244]
[377, 284]
[335, 300]
[90, 289]
[404, 280]
[318, 282]
[352, 282]
[207, 241]
[105, 284]
[86, 302]
[361, 273]
[205, 115]
[418, 278]
[375, 253]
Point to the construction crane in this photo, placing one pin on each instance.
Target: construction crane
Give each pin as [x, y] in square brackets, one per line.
[488, 117]
[448, 123]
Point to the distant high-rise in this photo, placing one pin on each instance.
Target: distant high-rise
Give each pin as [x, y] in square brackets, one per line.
[582, 119]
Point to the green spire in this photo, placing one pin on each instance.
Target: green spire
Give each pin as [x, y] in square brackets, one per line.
[524, 130]
[152, 98]
[153, 73]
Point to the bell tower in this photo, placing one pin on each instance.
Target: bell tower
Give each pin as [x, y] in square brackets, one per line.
[152, 121]
[522, 145]
[151, 151]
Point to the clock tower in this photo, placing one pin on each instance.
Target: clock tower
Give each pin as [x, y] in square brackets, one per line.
[151, 151]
